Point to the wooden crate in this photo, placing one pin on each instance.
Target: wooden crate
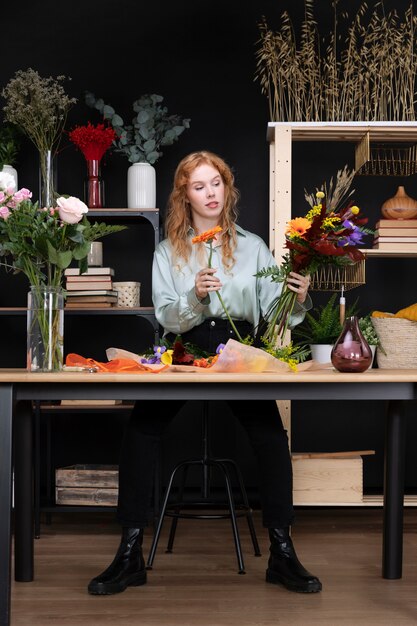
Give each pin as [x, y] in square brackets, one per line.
[93, 485]
[328, 479]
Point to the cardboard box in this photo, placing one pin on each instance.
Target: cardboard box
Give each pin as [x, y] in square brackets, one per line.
[88, 485]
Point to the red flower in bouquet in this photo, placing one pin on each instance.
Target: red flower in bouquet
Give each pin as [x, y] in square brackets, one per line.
[319, 238]
[93, 141]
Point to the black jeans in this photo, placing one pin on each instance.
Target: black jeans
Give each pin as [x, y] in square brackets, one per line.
[261, 420]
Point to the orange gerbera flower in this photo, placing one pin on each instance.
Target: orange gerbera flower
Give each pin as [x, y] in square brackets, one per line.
[298, 227]
[207, 236]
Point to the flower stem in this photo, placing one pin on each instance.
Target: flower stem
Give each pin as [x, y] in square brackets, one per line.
[232, 324]
[229, 318]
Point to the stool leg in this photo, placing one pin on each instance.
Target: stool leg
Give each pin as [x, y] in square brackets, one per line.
[155, 539]
[177, 510]
[233, 518]
[245, 501]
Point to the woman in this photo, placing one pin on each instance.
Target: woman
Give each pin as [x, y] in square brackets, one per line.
[203, 197]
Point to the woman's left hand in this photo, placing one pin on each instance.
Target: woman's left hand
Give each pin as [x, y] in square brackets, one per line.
[299, 284]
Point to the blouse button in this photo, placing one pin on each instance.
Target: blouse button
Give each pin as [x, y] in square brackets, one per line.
[212, 323]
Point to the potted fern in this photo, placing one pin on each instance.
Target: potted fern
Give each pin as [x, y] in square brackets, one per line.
[321, 328]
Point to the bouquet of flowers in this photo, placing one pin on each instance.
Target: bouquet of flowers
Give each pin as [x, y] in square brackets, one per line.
[42, 242]
[321, 237]
[93, 141]
[39, 107]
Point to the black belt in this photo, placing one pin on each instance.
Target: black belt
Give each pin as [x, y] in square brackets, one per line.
[212, 331]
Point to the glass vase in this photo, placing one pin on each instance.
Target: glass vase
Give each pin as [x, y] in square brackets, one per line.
[351, 352]
[47, 178]
[94, 186]
[45, 329]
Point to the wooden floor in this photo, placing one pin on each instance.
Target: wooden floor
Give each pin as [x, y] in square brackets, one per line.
[198, 584]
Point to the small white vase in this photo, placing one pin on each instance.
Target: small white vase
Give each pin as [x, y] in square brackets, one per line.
[373, 350]
[141, 186]
[321, 352]
[8, 169]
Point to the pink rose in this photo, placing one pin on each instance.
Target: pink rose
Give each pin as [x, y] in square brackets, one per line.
[4, 212]
[22, 194]
[71, 210]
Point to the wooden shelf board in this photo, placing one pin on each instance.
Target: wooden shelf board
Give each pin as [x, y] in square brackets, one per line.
[374, 500]
[120, 212]
[374, 252]
[383, 132]
[118, 310]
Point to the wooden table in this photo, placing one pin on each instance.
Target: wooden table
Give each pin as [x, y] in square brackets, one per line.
[19, 388]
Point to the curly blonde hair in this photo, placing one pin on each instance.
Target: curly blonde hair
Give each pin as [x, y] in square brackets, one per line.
[179, 217]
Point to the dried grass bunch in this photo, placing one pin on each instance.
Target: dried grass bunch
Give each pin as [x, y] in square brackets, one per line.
[369, 78]
[337, 191]
[38, 106]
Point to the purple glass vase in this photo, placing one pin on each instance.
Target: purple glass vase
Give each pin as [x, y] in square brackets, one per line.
[351, 352]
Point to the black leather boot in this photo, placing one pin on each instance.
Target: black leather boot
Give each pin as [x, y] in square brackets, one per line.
[127, 568]
[284, 567]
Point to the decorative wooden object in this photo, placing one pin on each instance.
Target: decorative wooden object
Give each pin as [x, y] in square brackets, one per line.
[400, 206]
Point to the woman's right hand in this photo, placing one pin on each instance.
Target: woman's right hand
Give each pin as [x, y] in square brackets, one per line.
[206, 282]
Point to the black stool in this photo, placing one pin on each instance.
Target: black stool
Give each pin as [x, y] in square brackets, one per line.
[206, 462]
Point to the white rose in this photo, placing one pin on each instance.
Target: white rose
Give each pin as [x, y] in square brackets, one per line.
[71, 210]
[7, 181]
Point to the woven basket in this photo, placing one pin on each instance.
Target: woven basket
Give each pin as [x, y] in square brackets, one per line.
[128, 294]
[398, 338]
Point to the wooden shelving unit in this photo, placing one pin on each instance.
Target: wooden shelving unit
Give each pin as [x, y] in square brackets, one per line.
[281, 136]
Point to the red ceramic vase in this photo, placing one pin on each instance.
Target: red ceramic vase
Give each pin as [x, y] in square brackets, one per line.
[351, 352]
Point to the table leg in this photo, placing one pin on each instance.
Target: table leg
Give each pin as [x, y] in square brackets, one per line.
[6, 412]
[23, 476]
[395, 434]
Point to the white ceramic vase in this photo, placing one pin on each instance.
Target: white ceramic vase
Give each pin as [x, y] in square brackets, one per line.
[321, 352]
[9, 169]
[141, 186]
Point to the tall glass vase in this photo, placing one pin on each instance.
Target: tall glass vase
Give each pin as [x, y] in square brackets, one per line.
[47, 178]
[45, 329]
[94, 186]
[351, 352]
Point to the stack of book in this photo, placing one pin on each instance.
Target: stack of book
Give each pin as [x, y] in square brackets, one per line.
[93, 289]
[396, 235]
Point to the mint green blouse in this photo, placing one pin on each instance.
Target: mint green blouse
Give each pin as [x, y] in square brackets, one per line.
[177, 307]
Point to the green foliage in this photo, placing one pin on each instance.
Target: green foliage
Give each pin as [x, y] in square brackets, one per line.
[322, 324]
[10, 141]
[368, 330]
[151, 128]
[36, 242]
[290, 353]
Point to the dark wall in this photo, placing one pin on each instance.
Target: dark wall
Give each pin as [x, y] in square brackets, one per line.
[201, 57]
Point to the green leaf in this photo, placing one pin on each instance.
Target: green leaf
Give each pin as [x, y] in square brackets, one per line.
[117, 121]
[108, 112]
[64, 259]
[149, 146]
[52, 253]
[81, 251]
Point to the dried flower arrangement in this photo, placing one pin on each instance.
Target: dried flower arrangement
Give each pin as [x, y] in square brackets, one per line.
[371, 78]
[336, 191]
[93, 141]
[39, 106]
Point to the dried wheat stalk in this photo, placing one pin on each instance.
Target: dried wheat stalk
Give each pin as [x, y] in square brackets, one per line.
[372, 77]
